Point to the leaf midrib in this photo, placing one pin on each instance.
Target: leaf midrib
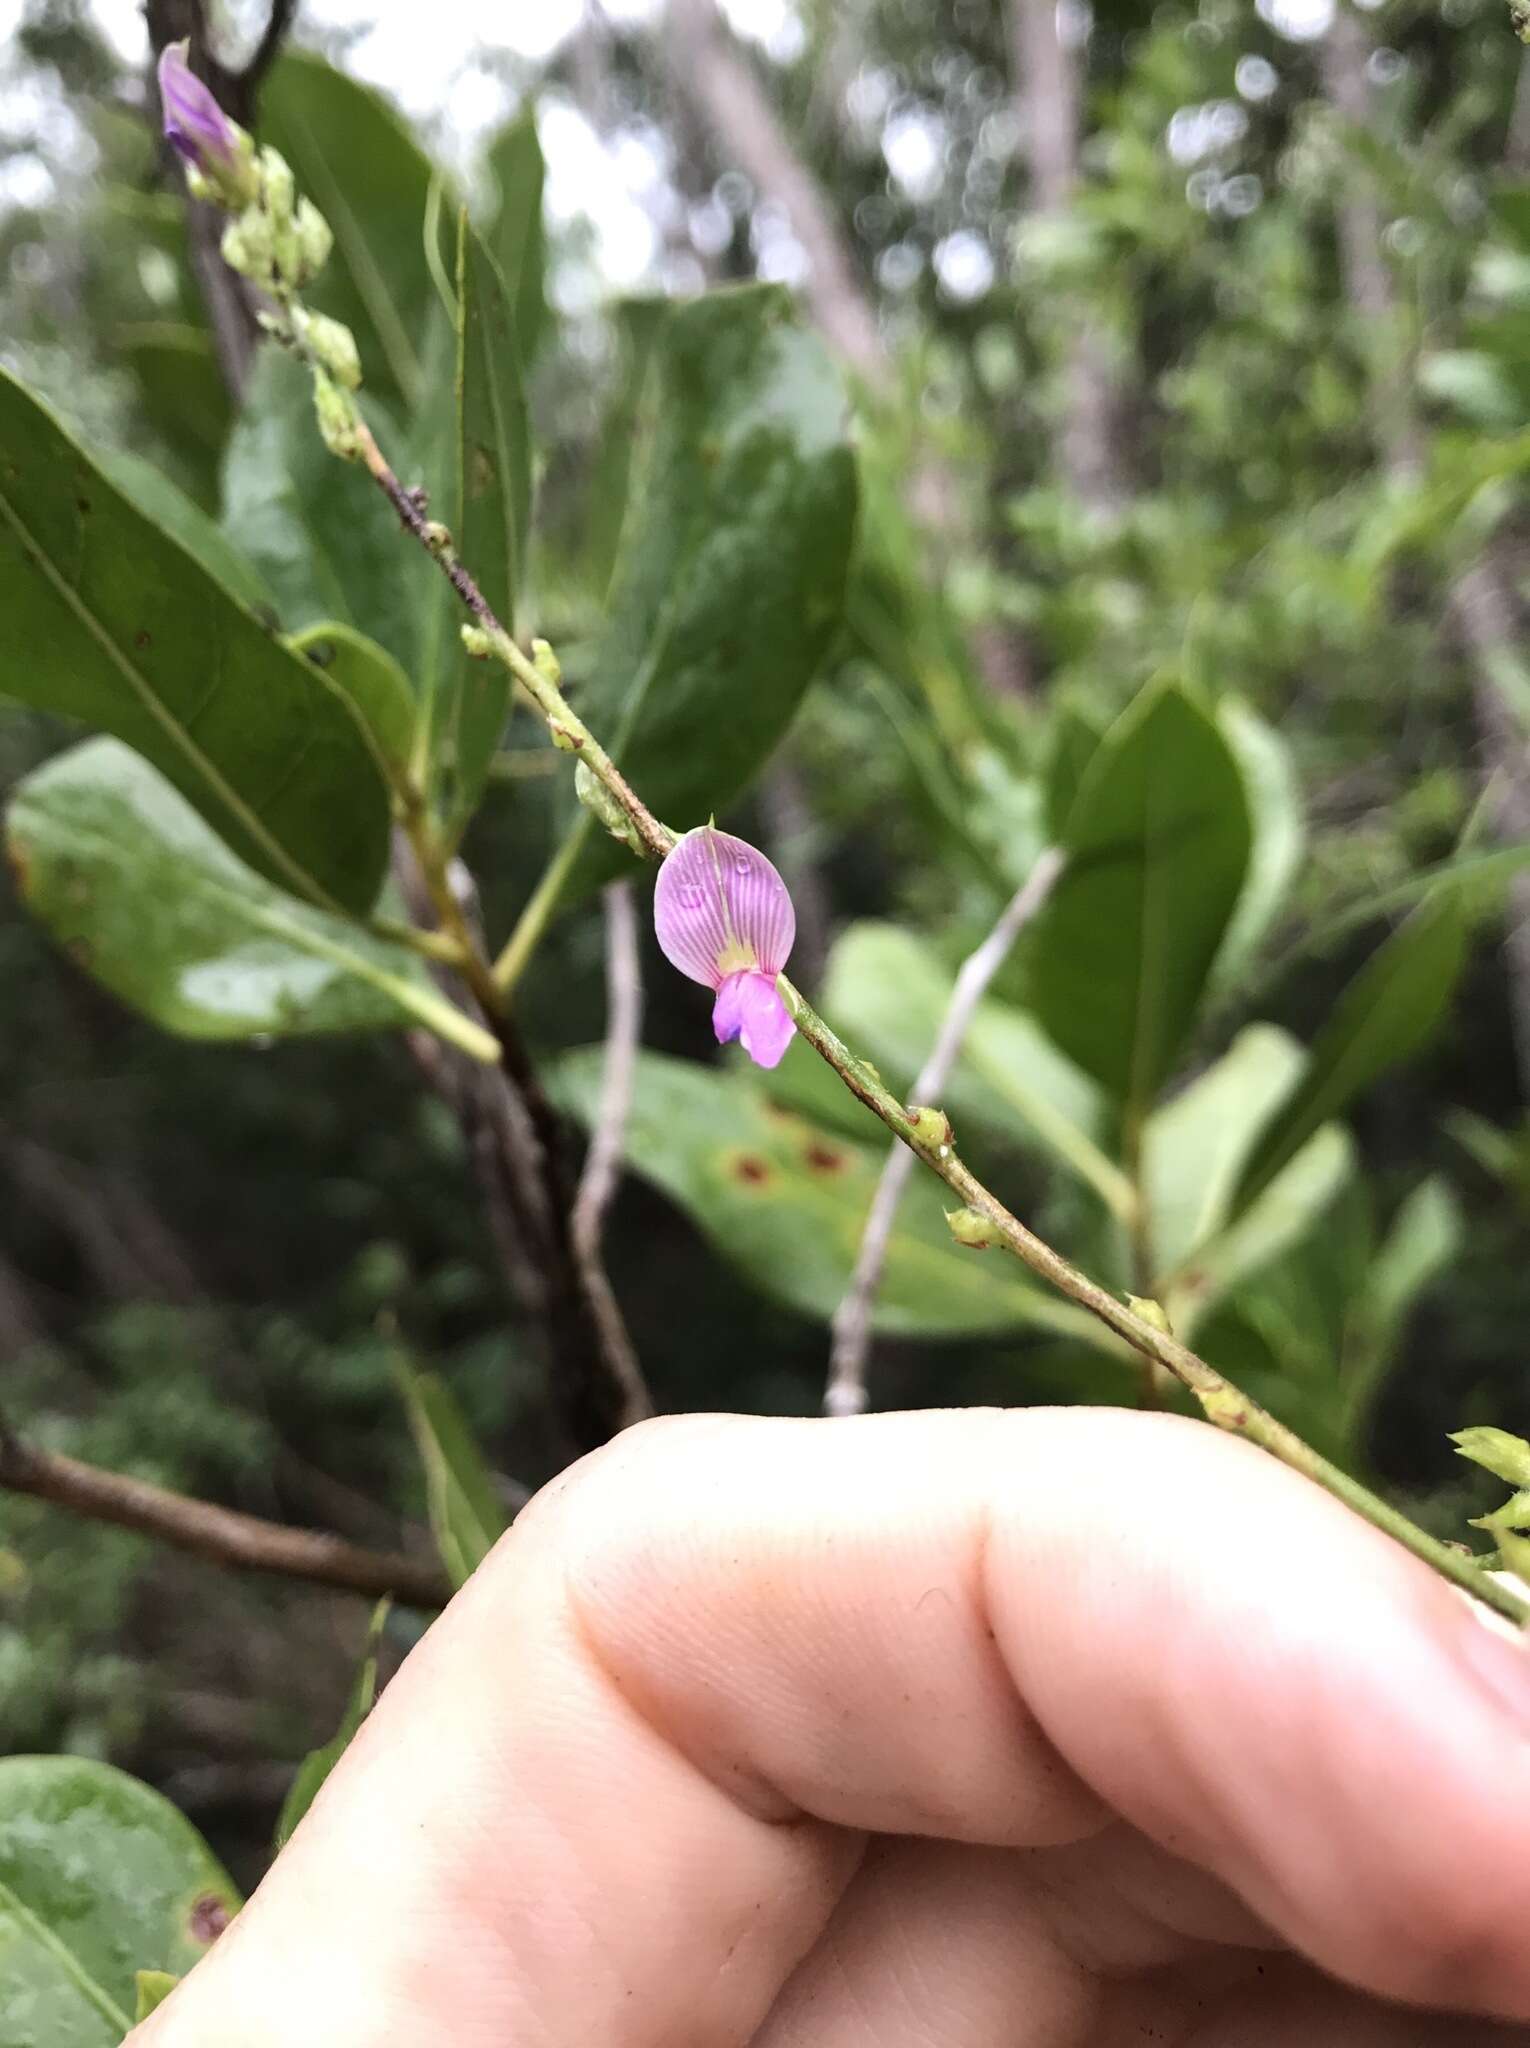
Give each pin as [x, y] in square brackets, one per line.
[151, 702]
[65, 1957]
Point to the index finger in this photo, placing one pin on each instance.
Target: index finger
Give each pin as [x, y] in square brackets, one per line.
[617, 1791]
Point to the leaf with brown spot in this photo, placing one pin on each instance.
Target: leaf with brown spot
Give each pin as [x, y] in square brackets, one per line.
[101, 1882]
[786, 1204]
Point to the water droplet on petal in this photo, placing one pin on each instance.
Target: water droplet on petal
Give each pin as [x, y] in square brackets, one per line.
[690, 898]
[743, 866]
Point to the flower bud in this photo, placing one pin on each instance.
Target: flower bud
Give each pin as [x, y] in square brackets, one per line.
[218, 155]
[339, 424]
[971, 1228]
[329, 345]
[314, 240]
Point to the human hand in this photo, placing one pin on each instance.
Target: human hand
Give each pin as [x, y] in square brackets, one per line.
[1018, 1730]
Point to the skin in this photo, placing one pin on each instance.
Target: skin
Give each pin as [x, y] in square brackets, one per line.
[1029, 1729]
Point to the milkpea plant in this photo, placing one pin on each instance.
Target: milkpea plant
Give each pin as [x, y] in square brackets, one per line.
[304, 702]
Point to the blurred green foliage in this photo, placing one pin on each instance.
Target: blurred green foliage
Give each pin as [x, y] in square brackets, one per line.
[1262, 1057]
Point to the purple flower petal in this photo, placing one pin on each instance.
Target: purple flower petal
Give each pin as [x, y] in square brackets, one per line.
[720, 909]
[196, 127]
[728, 1010]
[767, 1028]
[749, 1008]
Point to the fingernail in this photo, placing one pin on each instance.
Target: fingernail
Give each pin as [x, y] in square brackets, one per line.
[1498, 1651]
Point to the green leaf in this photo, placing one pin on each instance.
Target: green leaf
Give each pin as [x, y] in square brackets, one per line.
[785, 1203]
[325, 540]
[889, 993]
[132, 884]
[467, 1517]
[1158, 844]
[99, 1878]
[182, 394]
[1495, 1450]
[152, 1987]
[1279, 836]
[515, 235]
[360, 166]
[1427, 1233]
[318, 1763]
[1278, 1218]
[491, 522]
[1074, 742]
[167, 506]
[373, 681]
[1194, 1148]
[626, 427]
[1385, 1015]
[732, 584]
[109, 621]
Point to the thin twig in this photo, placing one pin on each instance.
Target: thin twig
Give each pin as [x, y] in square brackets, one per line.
[928, 1133]
[624, 1024]
[602, 1166]
[517, 1141]
[220, 1533]
[845, 1393]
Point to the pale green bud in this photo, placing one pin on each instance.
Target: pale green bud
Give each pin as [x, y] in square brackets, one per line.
[971, 1228]
[546, 663]
[339, 422]
[278, 193]
[249, 247]
[594, 795]
[314, 239]
[1150, 1311]
[931, 1131]
[329, 344]
[477, 642]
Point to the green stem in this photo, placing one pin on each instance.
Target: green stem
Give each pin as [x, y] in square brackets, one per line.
[928, 1132]
[535, 918]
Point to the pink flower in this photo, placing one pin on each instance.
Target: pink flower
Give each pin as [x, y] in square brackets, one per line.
[196, 127]
[724, 917]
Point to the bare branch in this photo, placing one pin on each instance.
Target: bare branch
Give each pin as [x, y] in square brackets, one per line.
[624, 1024]
[516, 1143]
[845, 1393]
[222, 1534]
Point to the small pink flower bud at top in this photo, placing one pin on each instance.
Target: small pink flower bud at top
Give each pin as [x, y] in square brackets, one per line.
[724, 917]
[196, 127]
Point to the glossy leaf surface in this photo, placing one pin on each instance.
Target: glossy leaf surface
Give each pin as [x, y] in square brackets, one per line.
[354, 158]
[731, 582]
[1158, 843]
[467, 1517]
[1195, 1147]
[785, 1202]
[491, 523]
[108, 620]
[100, 1878]
[323, 537]
[515, 236]
[888, 990]
[1384, 1016]
[130, 881]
